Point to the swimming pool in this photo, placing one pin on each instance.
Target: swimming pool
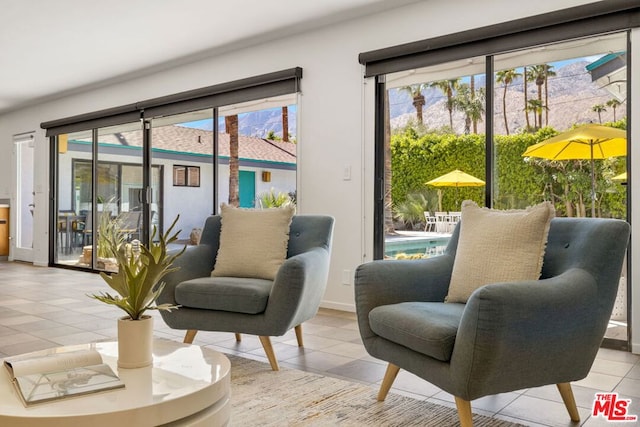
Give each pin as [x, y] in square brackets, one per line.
[430, 246]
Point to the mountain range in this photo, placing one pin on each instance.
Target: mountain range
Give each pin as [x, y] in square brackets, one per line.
[572, 96]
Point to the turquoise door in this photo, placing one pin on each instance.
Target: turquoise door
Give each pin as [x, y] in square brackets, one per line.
[247, 184]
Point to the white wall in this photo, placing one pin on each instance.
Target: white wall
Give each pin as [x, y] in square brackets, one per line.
[335, 110]
[635, 195]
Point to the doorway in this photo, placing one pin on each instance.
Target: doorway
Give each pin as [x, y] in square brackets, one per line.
[247, 188]
[22, 200]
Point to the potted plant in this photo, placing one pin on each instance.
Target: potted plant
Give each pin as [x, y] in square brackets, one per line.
[138, 286]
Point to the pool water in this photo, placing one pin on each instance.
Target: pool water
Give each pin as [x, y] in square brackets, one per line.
[415, 246]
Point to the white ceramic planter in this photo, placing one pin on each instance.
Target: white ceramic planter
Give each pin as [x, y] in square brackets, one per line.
[135, 342]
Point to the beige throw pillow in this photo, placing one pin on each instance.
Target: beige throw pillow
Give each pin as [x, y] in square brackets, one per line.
[253, 242]
[498, 246]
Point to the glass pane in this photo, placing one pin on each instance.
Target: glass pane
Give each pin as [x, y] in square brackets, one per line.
[83, 218]
[25, 153]
[257, 159]
[116, 212]
[73, 198]
[180, 144]
[549, 90]
[436, 154]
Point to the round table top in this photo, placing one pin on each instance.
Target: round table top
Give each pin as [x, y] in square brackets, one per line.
[184, 380]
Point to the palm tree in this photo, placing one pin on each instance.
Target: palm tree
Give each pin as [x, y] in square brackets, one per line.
[285, 124]
[448, 87]
[599, 108]
[231, 127]
[506, 77]
[525, 79]
[614, 103]
[536, 107]
[415, 92]
[471, 105]
[548, 73]
[388, 172]
[472, 85]
[539, 74]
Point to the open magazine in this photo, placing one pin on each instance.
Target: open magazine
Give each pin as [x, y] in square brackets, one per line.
[51, 375]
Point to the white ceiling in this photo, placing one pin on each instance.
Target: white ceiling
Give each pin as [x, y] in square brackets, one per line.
[52, 47]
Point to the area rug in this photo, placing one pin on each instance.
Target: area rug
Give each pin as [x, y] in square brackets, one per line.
[262, 397]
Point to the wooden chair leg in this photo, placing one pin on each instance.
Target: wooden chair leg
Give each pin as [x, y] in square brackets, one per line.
[464, 412]
[268, 349]
[298, 330]
[569, 401]
[190, 335]
[389, 377]
[238, 337]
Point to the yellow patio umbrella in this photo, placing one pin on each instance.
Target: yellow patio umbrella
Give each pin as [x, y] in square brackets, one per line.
[455, 178]
[586, 142]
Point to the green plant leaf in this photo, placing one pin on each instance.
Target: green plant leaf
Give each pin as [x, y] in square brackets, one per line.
[138, 279]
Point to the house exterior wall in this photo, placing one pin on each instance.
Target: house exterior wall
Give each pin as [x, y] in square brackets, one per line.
[281, 181]
[190, 197]
[335, 115]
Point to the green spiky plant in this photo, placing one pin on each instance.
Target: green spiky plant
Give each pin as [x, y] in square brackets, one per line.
[273, 199]
[108, 232]
[138, 280]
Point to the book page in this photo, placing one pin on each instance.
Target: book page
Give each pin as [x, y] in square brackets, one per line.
[52, 362]
[37, 388]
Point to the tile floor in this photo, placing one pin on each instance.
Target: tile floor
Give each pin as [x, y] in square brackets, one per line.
[47, 307]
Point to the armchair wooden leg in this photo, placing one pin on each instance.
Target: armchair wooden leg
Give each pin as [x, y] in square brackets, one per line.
[464, 412]
[569, 400]
[268, 349]
[238, 337]
[298, 330]
[190, 335]
[389, 377]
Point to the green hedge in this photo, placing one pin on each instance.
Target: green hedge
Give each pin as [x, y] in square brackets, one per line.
[520, 182]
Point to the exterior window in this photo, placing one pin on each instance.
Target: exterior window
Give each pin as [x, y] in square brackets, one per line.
[186, 176]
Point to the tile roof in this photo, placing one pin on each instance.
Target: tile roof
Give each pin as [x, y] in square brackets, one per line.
[199, 141]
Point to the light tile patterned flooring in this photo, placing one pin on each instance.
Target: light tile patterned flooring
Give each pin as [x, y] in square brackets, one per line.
[47, 307]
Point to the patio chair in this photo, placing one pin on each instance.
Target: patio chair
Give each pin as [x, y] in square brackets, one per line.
[87, 227]
[130, 224]
[454, 217]
[442, 222]
[430, 222]
[508, 336]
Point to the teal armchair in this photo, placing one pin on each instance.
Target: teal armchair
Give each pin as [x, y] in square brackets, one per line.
[259, 307]
[508, 336]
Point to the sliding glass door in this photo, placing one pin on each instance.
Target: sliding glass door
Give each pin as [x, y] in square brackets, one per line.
[142, 165]
[99, 181]
[475, 117]
[551, 89]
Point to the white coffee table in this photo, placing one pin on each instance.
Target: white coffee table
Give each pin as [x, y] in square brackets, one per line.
[187, 386]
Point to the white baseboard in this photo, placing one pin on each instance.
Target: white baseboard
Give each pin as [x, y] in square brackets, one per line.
[338, 306]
